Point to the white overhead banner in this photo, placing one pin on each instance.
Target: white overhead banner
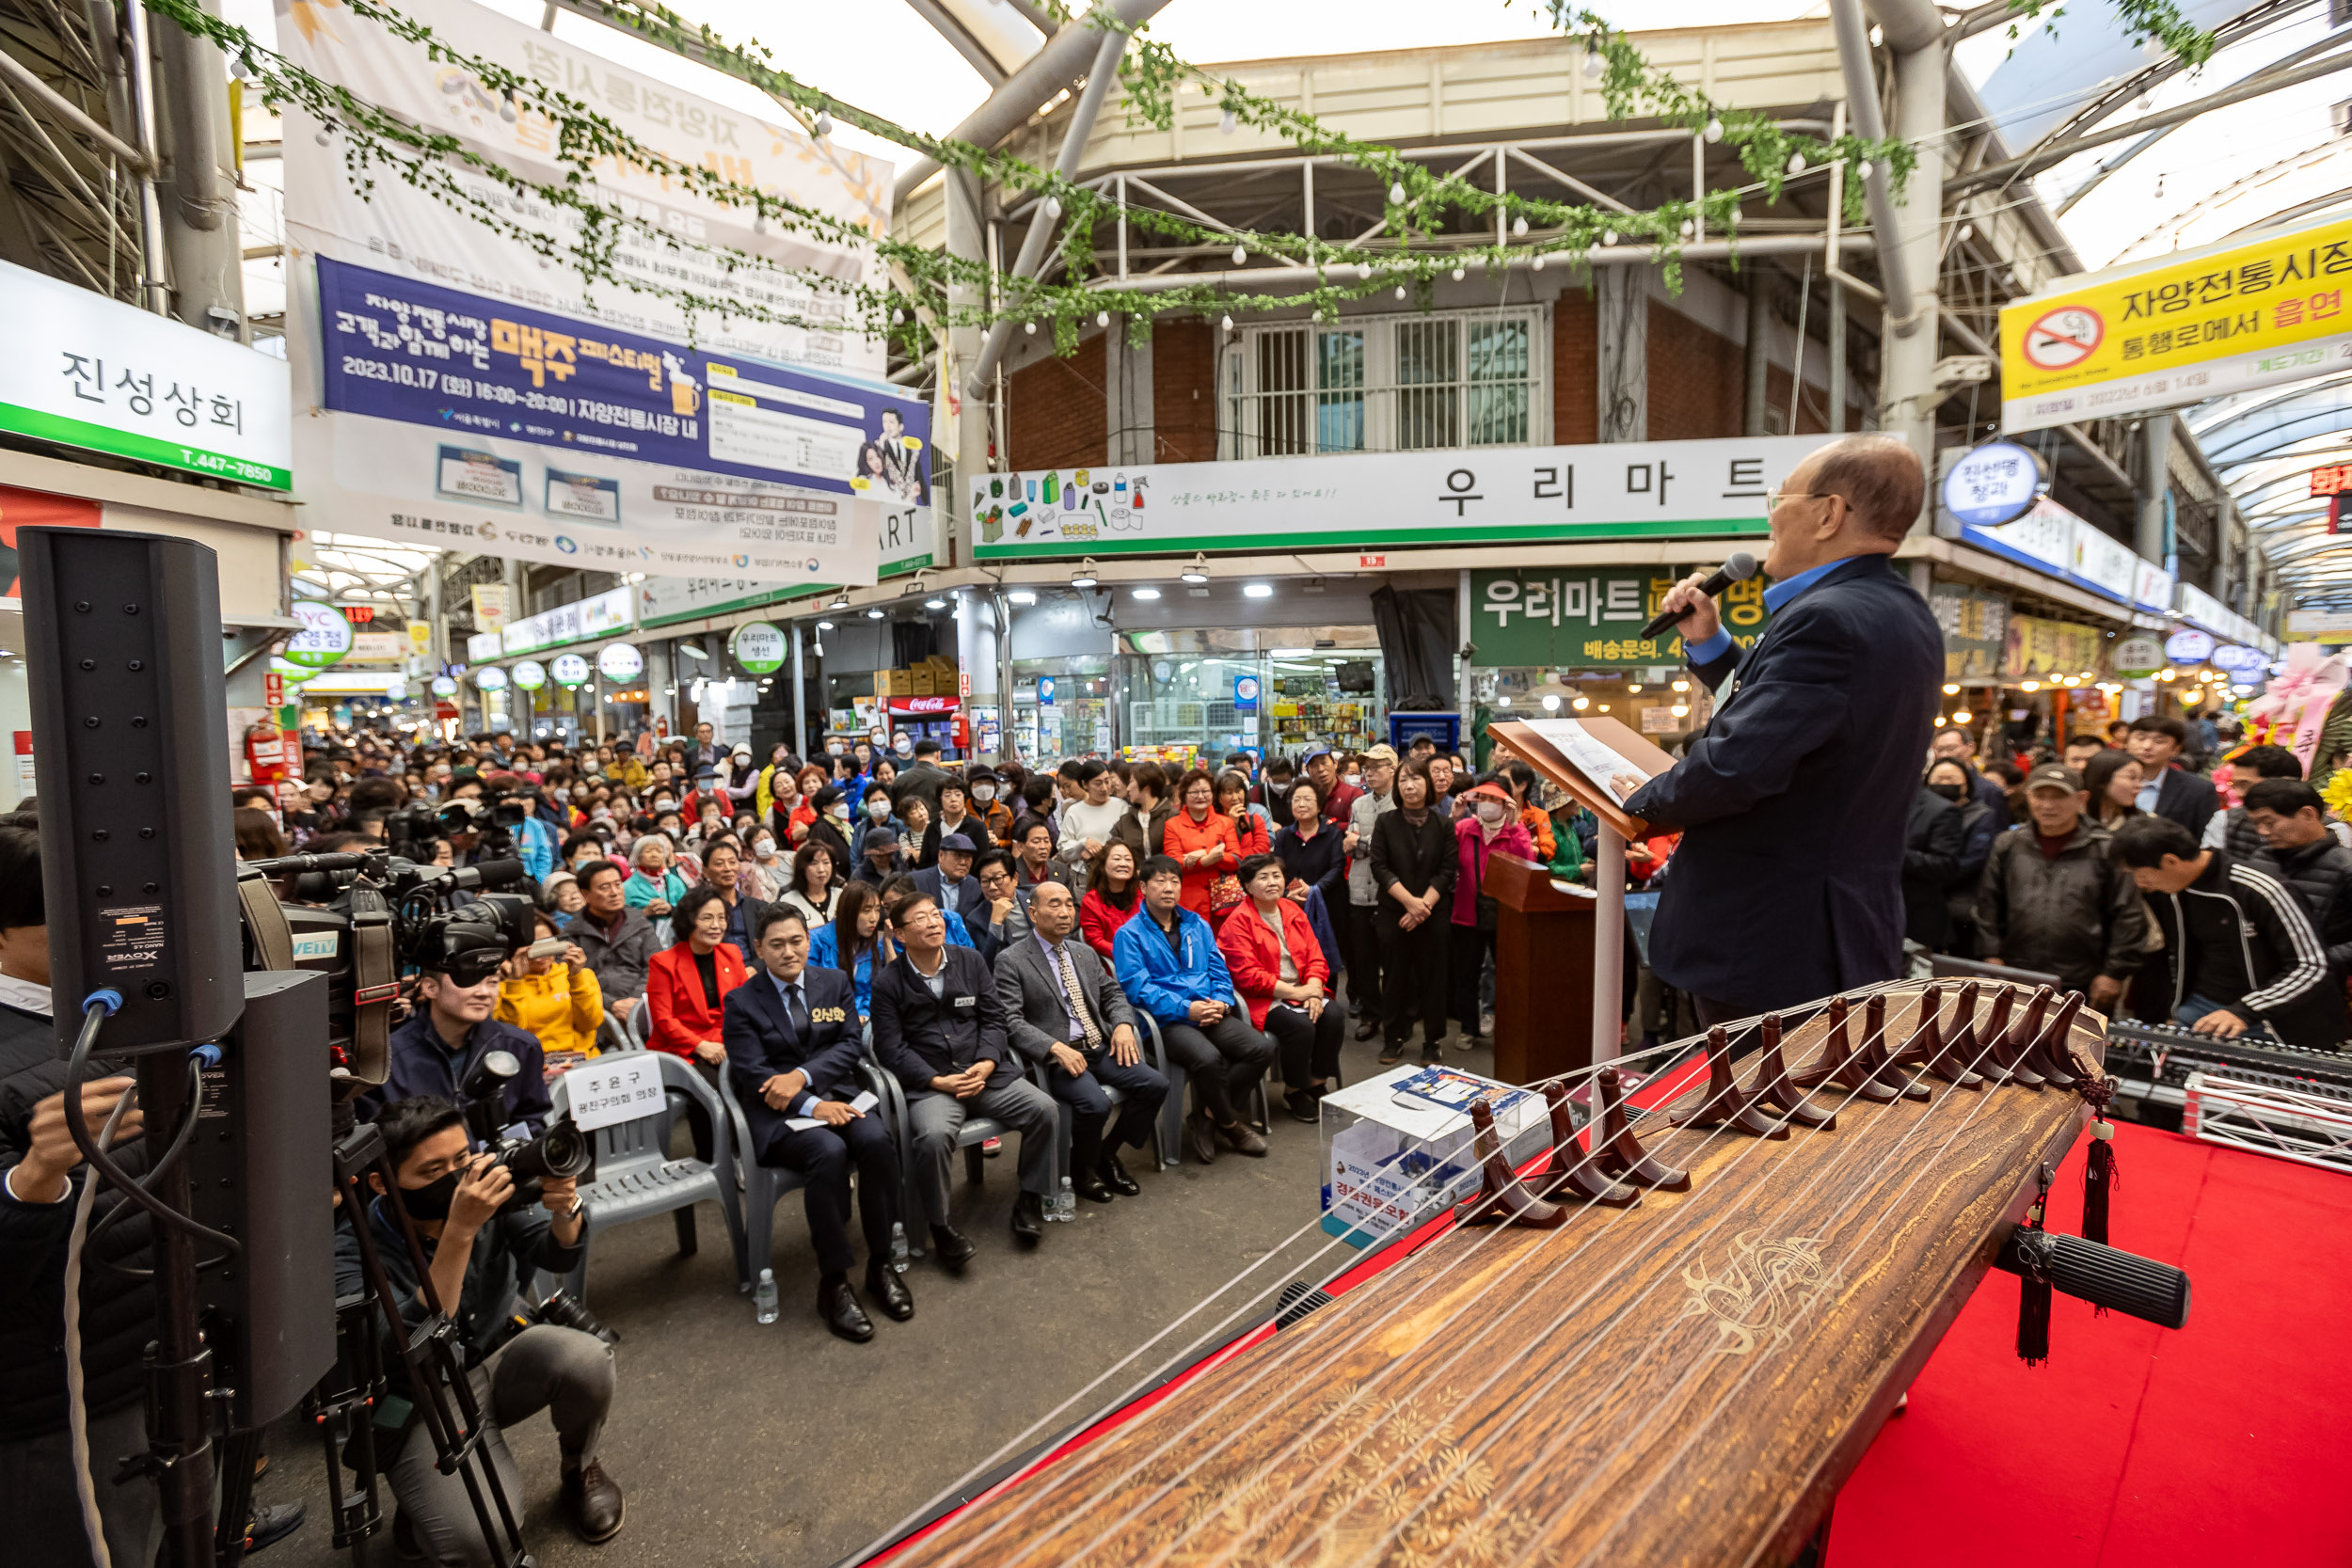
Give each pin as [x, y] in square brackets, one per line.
[454, 388]
[1500, 495]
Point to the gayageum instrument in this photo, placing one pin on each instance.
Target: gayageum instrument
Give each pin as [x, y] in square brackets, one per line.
[1648, 1346]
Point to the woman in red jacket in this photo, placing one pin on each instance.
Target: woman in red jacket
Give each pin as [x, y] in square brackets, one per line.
[1277, 966]
[1110, 902]
[686, 988]
[1200, 839]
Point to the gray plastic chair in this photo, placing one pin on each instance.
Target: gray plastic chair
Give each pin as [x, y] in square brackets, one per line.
[1171, 1127]
[636, 1178]
[765, 1186]
[969, 1138]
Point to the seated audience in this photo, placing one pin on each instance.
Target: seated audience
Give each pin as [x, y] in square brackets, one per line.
[856, 941]
[815, 889]
[554, 998]
[938, 1026]
[654, 887]
[619, 942]
[947, 878]
[792, 1037]
[1169, 965]
[1284, 981]
[1114, 894]
[685, 991]
[1065, 1013]
[1004, 917]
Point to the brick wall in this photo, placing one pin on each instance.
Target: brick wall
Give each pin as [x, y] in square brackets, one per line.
[1575, 368]
[1184, 392]
[1057, 412]
[1697, 379]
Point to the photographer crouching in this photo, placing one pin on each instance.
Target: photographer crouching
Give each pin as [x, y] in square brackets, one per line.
[478, 1244]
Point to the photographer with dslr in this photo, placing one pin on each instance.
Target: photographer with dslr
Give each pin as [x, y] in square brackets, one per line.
[441, 1047]
[478, 1244]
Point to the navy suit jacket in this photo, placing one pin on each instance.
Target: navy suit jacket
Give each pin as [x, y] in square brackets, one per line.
[2186, 798]
[761, 1043]
[967, 900]
[1794, 804]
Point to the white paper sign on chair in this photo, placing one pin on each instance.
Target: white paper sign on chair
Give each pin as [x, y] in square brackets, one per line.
[606, 1093]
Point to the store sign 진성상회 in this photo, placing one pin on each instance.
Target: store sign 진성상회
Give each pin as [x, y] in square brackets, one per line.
[1591, 618]
[1633, 490]
[2191, 325]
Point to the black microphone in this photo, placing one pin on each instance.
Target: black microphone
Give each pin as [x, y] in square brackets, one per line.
[1738, 567]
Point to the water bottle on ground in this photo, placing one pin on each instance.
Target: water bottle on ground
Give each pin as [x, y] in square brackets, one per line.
[764, 1297]
[898, 1246]
[1066, 1206]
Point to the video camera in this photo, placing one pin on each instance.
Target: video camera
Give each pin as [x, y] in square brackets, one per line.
[377, 917]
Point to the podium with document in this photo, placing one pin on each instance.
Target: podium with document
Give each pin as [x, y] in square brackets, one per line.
[1581, 755]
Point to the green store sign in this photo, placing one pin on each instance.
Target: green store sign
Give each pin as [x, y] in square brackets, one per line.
[1591, 618]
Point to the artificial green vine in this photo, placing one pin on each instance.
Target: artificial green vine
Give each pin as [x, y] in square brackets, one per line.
[1418, 204]
[2160, 19]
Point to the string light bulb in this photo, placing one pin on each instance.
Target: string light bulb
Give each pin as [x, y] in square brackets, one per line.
[1241, 254]
[1962, 717]
[824, 125]
[1226, 123]
[1862, 169]
[1537, 264]
[1227, 324]
[1952, 689]
[1400, 290]
[1030, 327]
[1053, 208]
[1609, 236]
[1593, 66]
[1460, 273]
[1714, 132]
[1518, 224]
[1582, 704]
[1102, 317]
[1796, 163]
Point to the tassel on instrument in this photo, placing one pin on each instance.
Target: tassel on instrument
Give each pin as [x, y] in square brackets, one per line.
[2033, 1299]
[2099, 1173]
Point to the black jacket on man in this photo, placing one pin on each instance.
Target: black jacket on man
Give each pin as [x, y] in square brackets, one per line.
[1934, 839]
[422, 1063]
[1795, 802]
[2320, 873]
[966, 898]
[2188, 799]
[514, 1243]
[2239, 937]
[2075, 914]
[762, 1042]
[920, 1037]
[117, 1314]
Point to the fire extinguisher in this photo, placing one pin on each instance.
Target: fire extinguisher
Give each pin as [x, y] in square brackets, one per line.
[265, 754]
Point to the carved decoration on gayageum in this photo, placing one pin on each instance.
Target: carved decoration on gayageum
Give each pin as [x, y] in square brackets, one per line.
[1577, 1380]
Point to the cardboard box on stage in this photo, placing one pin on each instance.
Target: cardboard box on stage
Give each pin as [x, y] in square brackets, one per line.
[1396, 1147]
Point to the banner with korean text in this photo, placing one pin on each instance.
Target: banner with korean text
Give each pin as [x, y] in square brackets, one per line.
[460, 386]
[1622, 490]
[2193, 325]
[1590, 618]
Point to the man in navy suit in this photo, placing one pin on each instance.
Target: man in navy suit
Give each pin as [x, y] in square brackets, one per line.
[791, 1034]
[950, 883]
[2167, 789]
[1788, 884]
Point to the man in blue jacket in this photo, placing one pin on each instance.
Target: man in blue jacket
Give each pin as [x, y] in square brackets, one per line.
[1793, 803]
[1169, 966]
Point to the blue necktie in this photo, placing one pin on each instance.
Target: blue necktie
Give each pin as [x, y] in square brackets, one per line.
[795, 1011]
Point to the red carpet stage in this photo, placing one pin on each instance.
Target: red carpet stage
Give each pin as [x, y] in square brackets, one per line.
[2136, 1448]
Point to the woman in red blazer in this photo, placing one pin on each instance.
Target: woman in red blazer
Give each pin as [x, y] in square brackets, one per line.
[1112, 901]
[686, 990]
[1277, 967]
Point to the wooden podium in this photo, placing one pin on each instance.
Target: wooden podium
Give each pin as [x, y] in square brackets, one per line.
[1542, 973]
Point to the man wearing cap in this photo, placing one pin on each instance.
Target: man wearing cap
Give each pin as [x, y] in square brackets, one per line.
[950, 883]
[1815, 740]
[878, 854]
[1359, 938]
[1339, 796]
[2054, 899]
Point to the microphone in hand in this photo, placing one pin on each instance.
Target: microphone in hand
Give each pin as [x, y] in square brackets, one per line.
[1738, 567]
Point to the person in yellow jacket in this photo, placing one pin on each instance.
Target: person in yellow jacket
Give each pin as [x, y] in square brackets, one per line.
[556, 998]
[763, 797]
[626, 769]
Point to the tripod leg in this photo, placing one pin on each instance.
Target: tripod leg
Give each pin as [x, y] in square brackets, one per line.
[239, 1452]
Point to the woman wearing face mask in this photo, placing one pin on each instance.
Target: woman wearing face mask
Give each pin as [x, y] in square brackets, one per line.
[1932, 855]
[766, 870]
[986, 792]
[874, 811]
[1491, 825]
[1950, 779]
[830, 823]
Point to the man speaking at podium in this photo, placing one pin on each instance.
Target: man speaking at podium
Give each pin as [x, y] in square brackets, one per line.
[1793, 803]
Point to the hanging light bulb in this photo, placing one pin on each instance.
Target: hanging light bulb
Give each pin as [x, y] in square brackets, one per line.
[1592, 66]
[1609, 236]
[1580, 704]
[759, 221]
[1227, 324]
[327, 131]
[1053, 208]
[1363, 271]
[824, 125]
[1460, 273]
[1396, 194]
[1241, 254]
[506, 106]
[1552, 701]
[1519, 225]
[1030, 327]
[1862, 169]
[1225, 124]
[1796, 163]
[1714, 132]
[1537, 264]
[1400, 290]
[1690, 229]
[897, 317]
[1102, 317]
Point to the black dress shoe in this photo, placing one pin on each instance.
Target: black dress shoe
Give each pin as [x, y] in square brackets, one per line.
[1304, 1106]
[1366, 1027]
[1028, 1218]
[954, 1247]
[271, 1525]
[890, 1291]
[593, 1503]
[837, 1305]
[1092, 1188]
[1115, 1177]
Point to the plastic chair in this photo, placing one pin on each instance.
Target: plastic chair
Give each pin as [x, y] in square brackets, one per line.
[638, 1025]
[765, 1186]
[974, 1132]
[1172, 1127]
[636, 1178]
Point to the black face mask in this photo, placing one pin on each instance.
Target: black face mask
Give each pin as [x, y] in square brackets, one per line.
[432, 1200]
[1949, 791]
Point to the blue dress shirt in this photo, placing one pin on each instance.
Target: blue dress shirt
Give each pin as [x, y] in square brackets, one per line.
[1777, 596]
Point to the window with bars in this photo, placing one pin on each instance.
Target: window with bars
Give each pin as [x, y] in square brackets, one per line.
[1385, 384]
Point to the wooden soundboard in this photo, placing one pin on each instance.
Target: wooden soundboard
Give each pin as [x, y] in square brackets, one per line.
[1688, 1381]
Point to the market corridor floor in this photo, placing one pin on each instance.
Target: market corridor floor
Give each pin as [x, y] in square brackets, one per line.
[710, 1434]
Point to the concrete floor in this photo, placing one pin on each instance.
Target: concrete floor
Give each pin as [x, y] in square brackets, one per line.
[782, 1447]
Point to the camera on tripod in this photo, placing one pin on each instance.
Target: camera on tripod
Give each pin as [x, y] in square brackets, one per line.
[563, 1151]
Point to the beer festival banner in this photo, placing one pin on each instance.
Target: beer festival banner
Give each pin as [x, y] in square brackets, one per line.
[450, 383]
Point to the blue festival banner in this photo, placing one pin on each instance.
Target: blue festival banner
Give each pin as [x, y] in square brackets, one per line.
[399, 349]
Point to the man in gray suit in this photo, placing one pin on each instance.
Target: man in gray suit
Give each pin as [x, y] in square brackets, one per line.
[1065, 1013]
